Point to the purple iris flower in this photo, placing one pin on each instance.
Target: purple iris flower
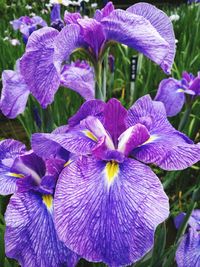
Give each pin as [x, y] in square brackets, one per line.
[30, 235]
[26, 25]
[108, 203]
[173, 92]
[142, 27]
[56, 21]
[188, 252]
[78, 76]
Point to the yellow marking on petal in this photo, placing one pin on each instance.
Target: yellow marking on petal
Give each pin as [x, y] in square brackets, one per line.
[68, 162]
[17, 175]
[48, 201]
[112, 170]
[180, 90]
[151, 139]
[90, 135]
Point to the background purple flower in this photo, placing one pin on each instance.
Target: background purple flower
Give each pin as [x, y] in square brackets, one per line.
[26, 25]
[173, 92]
[188, 252]
[134, 27]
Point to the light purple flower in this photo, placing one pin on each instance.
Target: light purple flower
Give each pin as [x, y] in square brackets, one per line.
[142, 27]
[78, 76]
[173, 92]
[30, 236]
[188, 252]
[26, 25]
[107, 202]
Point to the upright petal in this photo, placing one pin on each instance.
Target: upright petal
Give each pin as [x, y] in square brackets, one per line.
[29, 220]
[195, 86]
[14, 94]
[37, 66]
[9, 150]
[79, 79]
[104, 12]
[161, 22]
[115, 118]
[188, 252]
[89, 108]
[171, 96]
[136, 32]
[108, 212]
[93, 34]
[55, 13]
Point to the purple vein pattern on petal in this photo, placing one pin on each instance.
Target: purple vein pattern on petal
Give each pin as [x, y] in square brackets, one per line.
[66, 42]
[79, 78]
[114, 118]
[29, 220]
[9, 150]
[166, 147]
[37, 65]
[160, 21]
[136, 32]
[75, 141]
[89, 108]
[91, 217]
[169, 95]
[14, 94]
[93, 34]
[188, 252]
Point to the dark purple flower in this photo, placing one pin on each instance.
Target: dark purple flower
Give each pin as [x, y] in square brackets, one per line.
[30, 235]
[142, 27]
[78, 76]
[56, 21]
[26, 25]
[188, 252]
[107, 202]
[172, 92]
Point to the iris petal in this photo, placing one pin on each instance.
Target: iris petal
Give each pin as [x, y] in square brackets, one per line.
[168, 93]
[110, 221]
[29, 219]
[161, 22]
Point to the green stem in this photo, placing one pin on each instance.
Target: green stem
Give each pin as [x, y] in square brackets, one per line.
[185, 118]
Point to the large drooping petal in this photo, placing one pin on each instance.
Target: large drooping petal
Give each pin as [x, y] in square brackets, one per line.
[171, 96]
[108, 212]
[166, 147]
[138, 33]
[79, 140]
[89, 108]
[14, 94]
[30, 235]
[37, 66]
[80, 79]
[161, 22]
[115, 118]
[150, 113]
[66, 42]
[9, 150]
[188, 252]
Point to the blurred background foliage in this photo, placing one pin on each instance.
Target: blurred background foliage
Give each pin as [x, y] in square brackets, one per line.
[182, 187]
